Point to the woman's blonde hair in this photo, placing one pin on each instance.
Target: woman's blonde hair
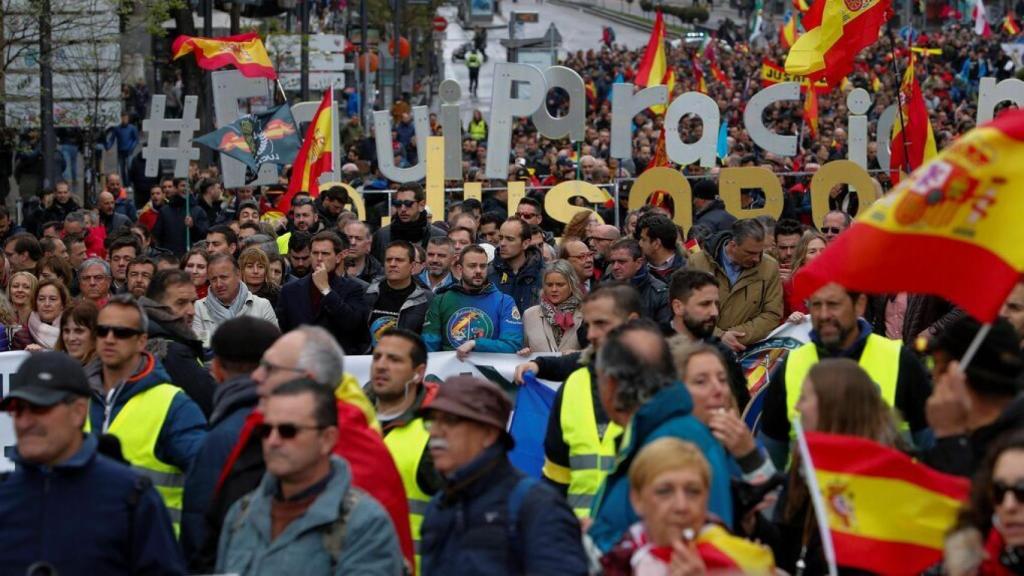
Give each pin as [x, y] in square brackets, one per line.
[683, 350]
[31, 279]
[254, 254]
[800, 254]
[667, 454]
[564, 268]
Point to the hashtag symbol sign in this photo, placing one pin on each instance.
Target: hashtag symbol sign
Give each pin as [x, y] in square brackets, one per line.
[156, 126]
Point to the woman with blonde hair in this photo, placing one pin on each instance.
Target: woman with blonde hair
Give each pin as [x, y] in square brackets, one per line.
[19, 294]
[669, 484]
[810, 246]
[255, 268]
[552, 325]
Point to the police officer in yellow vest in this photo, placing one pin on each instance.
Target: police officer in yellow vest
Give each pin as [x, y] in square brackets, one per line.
[398, 392]
[474, 60]
[159, 427]
[581, 440]
[840, 332]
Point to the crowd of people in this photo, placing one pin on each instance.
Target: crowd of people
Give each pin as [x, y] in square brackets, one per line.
[185, 406]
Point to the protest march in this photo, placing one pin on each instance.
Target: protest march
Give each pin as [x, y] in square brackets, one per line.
[396, 288]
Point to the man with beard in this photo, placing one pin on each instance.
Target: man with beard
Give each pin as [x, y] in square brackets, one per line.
[840, 332]
[473, 314]
[693, 295]
[516, 270]
[409, 221]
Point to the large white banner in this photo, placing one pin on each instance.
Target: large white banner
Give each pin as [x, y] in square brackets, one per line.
[9, 363]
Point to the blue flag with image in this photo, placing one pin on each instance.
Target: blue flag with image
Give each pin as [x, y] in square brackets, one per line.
[530, 424]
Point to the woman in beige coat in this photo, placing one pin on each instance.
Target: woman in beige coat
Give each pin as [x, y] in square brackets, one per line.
[551, 326]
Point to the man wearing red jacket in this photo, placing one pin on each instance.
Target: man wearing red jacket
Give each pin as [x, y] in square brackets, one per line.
[310, 351]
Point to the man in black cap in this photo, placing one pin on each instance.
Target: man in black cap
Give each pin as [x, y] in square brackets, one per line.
[708, 209]
[66, 507]
[490, 515]
[970, 408]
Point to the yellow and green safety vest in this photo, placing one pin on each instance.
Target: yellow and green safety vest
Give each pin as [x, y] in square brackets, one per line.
[137, 426]
[591, 454]
[880, 359]
[407, 445]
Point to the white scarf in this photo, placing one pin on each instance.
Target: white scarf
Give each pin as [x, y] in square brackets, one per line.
[44, 334]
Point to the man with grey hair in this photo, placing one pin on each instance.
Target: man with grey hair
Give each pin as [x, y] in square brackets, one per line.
[311, 352]
[749, 288]
[638, 389]
[159, 427]
[94, 280]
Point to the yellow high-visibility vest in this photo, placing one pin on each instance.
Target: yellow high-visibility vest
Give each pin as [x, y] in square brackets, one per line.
[407, 445]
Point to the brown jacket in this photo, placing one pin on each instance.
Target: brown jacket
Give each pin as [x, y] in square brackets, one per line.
[538, 336]
[754, 304]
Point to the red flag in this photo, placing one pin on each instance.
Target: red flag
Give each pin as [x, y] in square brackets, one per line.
[914, 143]
[244, 51]
[837, 30]
[654, 63]
[316, 155]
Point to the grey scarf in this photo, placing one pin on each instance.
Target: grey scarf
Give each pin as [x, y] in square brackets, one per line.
[221, 313]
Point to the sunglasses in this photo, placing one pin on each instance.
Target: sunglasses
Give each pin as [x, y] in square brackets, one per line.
[403, 203]
[525, 216]
[831, 230]
[18, 406]
[120, 332]
[999, 490]
[286, 431]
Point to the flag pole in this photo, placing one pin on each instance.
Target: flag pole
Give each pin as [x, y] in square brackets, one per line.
[814, 490]
[899, 105]
[972, 350]
[188, 229]
[281, 88]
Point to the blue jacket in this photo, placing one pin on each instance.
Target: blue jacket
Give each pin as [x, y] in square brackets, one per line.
[88, 515]
[466, 528]
[343, 311]
[668, 413]
[369, 548]
[234, 399]
[489, 317]
[126, 136]
[524, 286]
[184, 427]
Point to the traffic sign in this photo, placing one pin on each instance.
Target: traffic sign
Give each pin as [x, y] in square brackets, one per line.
[440, 23]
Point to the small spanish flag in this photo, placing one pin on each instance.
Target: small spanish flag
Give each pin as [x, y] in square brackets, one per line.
[801, 6]
[1010, 25]
[698, 76]
[720, 75]
[244, 51]
[787, 32]
[316, 155]
[911, 144]
[876, 82]
[811, 112]
[886, 513]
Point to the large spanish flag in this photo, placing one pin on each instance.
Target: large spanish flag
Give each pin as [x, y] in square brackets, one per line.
[244, 51]
[887, 514]
[952, 228]
[912, 144]
[836, 30]
[655, 61]
[316, 155]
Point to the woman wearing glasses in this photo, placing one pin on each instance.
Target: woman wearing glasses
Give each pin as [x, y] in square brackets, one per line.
[551, 325]
[990, 536]
[43, 326]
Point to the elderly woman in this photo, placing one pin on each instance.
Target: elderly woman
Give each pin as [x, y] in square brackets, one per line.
[195, 263]
[50, 299]
[78, 331]
[552, 325]
[19, 293]
[255, 266]
[669, 483]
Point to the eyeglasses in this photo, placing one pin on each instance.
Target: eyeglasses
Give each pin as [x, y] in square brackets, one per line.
[526, 216]
[831, 230]
[286, 431]
[584, 256]
[17, 406]
[271, 367]
[999, 490]
[403, 203]
[120, 332]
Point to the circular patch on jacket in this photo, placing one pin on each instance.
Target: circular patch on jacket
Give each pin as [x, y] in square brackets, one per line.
[378, 326]
[468, 324]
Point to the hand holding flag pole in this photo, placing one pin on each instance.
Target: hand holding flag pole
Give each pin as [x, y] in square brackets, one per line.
[820, 512]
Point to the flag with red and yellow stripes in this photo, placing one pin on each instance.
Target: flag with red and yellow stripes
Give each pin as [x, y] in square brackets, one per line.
[964, 206]
[887, 514]
[801, 5]
[836, 31]
[719, 75]
[811, 112]
[655, 62]
[787, 32]
[244, 51]
[698, 76]
[912, 144]
[316, 155]
[1010, 25]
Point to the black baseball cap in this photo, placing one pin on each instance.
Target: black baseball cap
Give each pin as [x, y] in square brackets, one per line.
[47, 378]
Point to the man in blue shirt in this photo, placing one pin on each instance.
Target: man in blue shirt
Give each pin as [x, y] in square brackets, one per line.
[126, 136]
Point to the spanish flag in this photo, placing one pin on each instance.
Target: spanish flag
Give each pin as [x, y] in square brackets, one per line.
[244, 51]
[913, 144]
[655, 62]
[316, 155]
[811, 113]
[964, 206]
[886, 513]
[724, 553]
[801, 6]
[787, 32]
[876, 82]
[660, 160]
[836, 30]
[1010, 25]
[719, 75]
[698, 76]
